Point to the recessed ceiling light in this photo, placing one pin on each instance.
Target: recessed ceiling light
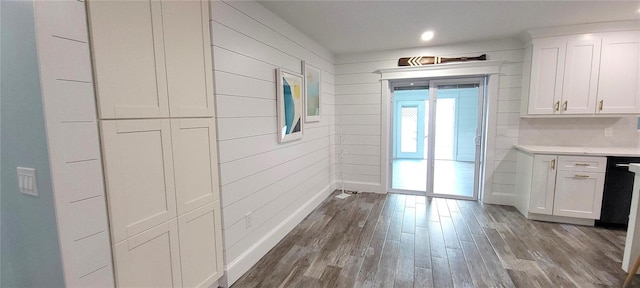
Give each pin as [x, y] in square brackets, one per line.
[426, 36]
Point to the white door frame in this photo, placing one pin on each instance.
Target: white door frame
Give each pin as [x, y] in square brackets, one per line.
[490, 69]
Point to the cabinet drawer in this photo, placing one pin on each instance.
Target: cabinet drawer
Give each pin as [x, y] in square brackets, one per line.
[582, 163]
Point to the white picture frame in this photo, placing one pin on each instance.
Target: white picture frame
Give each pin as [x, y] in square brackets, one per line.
[312, 92]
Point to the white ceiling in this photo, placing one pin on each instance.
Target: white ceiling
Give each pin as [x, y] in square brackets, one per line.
[360, 26]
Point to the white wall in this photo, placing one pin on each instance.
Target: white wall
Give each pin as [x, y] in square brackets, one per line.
[358, 110]
[30, 252]
[279, 184]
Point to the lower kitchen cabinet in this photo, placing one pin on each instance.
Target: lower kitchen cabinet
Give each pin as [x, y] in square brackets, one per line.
[578, 194]
[560, 188]
[149, 259]
[139, 175]
[163, 198]
[200, 245]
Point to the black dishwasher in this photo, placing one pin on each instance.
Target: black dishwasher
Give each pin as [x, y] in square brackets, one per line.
[618, 187]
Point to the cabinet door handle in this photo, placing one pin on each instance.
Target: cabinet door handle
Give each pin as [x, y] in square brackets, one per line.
[581, 176]
[600, 105]
[582, 164]
[557, 105]
[565, 105]
[553, 164]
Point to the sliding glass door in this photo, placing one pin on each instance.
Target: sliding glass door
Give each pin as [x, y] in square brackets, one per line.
[437, 133]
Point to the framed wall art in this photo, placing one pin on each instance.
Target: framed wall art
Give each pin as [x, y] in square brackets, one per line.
[311, 92]
[290, 102]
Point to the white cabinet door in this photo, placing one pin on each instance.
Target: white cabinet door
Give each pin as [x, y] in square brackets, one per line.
[619, 86]
[578, 194]
[139, 175]
[580, 84]
[128, 59]
[547, 70]
[201, 246]
[195, 162]
[150, 259]
[543, 184]
[188, 58]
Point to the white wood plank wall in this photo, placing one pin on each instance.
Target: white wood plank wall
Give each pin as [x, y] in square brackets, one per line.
[278, 184]
[358, 111]
[74, 147]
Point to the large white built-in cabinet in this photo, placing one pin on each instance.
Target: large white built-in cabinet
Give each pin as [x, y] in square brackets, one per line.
[560, 188]
[154, 90]
[591, 73]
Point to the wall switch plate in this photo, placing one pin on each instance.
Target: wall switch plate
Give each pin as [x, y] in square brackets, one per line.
[608, 132]
[247, 220]
[27, 181]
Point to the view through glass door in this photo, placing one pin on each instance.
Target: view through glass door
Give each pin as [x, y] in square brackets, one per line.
[446, 164]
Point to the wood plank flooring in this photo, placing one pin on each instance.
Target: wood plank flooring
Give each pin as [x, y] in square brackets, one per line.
[394, 240]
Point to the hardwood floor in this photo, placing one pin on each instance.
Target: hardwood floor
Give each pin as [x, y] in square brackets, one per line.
[394, 240]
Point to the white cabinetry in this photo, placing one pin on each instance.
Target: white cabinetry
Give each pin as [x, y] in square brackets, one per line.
[619, 86]
[147, 260]
[564, 75]
[560, 187]
[543, 184]
[139, 172]
[152, 58]
[152, 63]
[582, 75]
[195, 161]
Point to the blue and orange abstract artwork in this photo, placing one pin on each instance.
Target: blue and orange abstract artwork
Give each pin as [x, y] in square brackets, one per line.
[292, 103]
[290, 106]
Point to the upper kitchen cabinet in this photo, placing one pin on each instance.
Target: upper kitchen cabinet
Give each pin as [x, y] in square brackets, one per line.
[564, 75]
[582, 74]
[619, 85]
[152, 59]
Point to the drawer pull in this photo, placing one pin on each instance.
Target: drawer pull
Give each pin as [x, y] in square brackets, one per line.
[600, 105]
[581, 176]
[558, 106]
[583, 164]
[553, 164]
[565, 105]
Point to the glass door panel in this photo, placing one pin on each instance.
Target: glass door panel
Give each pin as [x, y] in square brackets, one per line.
[456, 149]
[410, 129]
[410, 119]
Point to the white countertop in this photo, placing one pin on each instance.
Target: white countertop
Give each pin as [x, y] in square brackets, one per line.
[586, 151]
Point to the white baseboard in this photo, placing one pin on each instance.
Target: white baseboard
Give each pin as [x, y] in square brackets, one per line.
[561, 219]
[242, 264]
[500, 199]
[361, 187]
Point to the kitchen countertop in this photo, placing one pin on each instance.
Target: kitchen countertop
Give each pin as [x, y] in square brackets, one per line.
[585, 151]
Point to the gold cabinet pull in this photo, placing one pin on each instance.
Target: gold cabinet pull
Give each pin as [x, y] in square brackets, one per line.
[581, 176]
[600, 105]
[553, 164]
[557, 105]
[582, 164]
[565, 105]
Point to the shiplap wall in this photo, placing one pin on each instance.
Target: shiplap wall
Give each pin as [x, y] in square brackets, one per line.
[278, 184]
[74, 147]
[358, 111]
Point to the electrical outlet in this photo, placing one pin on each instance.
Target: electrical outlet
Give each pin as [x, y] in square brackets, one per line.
[608, 132]
[27, 181]
[247, 220]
